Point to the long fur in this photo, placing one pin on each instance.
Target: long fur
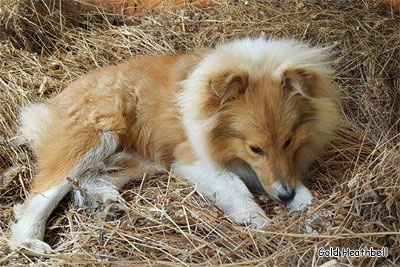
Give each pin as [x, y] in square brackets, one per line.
[248, 114]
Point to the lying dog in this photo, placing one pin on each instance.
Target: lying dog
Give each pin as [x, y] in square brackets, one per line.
[250, 112]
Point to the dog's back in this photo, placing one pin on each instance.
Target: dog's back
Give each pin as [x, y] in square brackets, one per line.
[125, 107]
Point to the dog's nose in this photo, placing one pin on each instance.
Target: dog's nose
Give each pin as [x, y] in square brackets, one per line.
[286, 193]
[287, 196]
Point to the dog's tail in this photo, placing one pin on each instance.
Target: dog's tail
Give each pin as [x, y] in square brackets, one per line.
[36, 123]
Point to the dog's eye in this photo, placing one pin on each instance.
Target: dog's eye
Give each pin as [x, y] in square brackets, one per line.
[257, 150]
[287, 143]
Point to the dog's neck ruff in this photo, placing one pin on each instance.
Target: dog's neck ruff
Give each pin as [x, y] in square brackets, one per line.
[256, 56]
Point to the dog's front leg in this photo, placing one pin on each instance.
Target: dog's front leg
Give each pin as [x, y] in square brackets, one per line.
[227, 190]
[301, 200]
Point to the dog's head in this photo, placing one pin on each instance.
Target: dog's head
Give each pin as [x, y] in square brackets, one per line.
[268, 114]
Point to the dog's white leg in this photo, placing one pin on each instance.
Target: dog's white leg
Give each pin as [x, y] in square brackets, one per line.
[301, 200]
[227, 190]
[100, 189]
[102, 183]
[31, 218]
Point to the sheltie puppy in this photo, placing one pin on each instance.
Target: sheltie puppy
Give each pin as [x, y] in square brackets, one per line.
[248, 115]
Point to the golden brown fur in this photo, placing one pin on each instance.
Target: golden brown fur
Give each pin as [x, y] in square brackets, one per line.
[268, 104]
[135, 100]
[270, 113]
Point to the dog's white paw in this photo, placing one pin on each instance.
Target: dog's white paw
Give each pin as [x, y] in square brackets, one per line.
[33, 244]
[113, 210]
[297, 206]
[255, 219]
[301, 200]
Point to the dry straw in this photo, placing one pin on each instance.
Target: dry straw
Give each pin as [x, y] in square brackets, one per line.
[45, 45]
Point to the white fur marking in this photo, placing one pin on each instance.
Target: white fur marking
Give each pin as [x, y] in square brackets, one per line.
[32, 217]
[34, 123]
[97, 189]
[301, 200]
[227, 190]
[257, 56]
[98, 154]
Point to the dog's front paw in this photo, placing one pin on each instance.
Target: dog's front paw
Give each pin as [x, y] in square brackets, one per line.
[255, 219]
[32, 244]
[298, 205]
[301, 200]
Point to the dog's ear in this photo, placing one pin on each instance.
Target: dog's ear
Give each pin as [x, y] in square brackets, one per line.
[308, 83]
[228, 86]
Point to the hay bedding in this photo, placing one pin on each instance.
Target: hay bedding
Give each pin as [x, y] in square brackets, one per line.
[45, 45]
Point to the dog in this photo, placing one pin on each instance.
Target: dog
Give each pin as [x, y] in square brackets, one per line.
[248, 116]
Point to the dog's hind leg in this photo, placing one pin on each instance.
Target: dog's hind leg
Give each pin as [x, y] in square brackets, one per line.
[102, 184]
[75, 156]
[32, 216]
[100, 191]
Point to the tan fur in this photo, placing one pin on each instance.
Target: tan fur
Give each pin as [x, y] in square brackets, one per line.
[134, 100]
[207, 112]
[184, 153]
[268, 114]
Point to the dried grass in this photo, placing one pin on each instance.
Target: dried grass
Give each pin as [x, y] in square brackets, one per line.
[44, 46]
